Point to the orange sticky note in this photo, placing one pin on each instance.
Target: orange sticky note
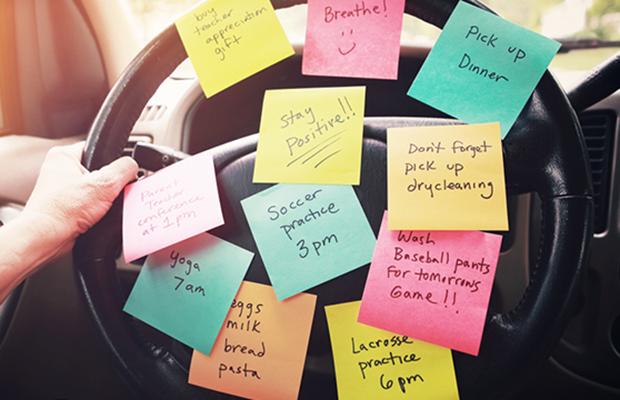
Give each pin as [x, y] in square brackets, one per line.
[261, 350]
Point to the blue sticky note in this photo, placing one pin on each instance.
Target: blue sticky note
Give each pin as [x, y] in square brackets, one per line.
[308, 234]
[186, 290]
[483, 68]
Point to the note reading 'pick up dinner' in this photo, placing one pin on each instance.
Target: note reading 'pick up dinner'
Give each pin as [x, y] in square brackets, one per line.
[444, 279]
[483, 68]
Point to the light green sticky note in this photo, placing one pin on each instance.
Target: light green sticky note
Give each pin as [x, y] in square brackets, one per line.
[186, 290]
[483, 68]
[308, 234]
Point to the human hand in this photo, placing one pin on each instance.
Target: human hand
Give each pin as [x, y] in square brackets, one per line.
[68, 199]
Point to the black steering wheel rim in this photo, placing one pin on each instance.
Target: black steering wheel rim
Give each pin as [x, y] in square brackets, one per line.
[544, 153]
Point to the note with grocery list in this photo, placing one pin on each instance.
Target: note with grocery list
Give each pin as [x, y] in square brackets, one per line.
[371, 363]
[483, 68]
[230, 40]
[447, 177]
[261, 351]
[352, 38]
[308, 234]
[443, 278]
[186, 289]
[311, 135]
[170, 206]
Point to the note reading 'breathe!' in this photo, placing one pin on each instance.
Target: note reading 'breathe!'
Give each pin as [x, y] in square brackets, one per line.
[374, 364]
[446, 178]
[185, 290]
[353, 38]
[308, 234]
[311, 136]
[230, 40]
[443, 278]
[172, 205]
[261, 351]
[483, 68]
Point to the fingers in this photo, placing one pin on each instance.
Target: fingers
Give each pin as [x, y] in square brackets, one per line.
[114, 176]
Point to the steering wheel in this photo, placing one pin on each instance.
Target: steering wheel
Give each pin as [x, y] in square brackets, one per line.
[544, 154]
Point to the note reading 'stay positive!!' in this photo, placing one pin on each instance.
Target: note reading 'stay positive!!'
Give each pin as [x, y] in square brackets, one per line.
[443, 278]
[230, 40]
[186, 289]
[353, 38]
[311, 136]
[308, 234]
[446, 178]
[483, 68]
[172, 205]
[261, 351]
[374, 364]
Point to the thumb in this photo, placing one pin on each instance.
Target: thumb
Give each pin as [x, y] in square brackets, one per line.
[117, 174]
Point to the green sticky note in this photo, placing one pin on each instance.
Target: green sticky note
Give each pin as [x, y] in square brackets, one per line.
[308, 234]
[186, 290]
[483, 68]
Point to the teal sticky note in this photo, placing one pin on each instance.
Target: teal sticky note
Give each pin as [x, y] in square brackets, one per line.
[308, 234]
[483, 68]
[186, 290]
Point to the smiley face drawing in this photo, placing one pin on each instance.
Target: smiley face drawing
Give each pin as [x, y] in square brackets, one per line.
[348, 48]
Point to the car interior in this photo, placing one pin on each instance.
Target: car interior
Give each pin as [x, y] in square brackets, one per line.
[73, 70]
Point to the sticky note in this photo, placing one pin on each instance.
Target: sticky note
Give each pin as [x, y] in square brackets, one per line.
[230, 40]
[261, 351]
[483, 68]
[308, 234]
[170, 206]
[432, 285]
[311, 136]
[375, 364]
[352, 38]
[446, 178]
[186, 289]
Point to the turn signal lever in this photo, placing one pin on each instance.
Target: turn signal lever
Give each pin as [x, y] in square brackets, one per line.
[152, 157]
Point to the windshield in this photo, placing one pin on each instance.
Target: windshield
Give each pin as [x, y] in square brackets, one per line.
[565, 20]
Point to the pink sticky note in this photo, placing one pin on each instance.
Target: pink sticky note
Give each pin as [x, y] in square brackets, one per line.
[431, 285]
[350, 38]
[172, 205]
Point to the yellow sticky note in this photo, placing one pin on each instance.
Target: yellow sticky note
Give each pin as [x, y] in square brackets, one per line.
[374, 364]
[311, 136]
[446, 178]
[230, 40]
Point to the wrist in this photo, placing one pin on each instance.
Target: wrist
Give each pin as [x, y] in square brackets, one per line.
[39, 237]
